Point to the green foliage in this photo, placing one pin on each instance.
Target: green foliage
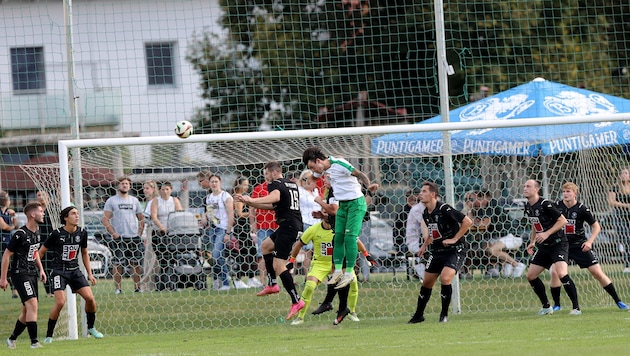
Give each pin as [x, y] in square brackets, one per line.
[286, 63]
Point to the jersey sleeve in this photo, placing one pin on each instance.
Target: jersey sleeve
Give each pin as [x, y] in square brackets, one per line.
[84, 239]
[588, 217]
[551, 209]
[51, 241]
[16, 240]
[452, 213]
[308, 235]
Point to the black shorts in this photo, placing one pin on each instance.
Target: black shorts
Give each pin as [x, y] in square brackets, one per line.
[450, 258]
[127, 251]
[26, 286]
[75, 279]
[581, 258]
[284, 238]
[545, 256]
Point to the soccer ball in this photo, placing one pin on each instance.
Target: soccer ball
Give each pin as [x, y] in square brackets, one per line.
[183, 129]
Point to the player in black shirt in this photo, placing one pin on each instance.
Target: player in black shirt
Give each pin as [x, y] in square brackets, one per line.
[446, 228]
[552, 248]
[284, 199]
[67, 243]
[26, 265]
[581, 248]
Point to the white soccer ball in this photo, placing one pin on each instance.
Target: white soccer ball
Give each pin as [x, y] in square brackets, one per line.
[183, 129]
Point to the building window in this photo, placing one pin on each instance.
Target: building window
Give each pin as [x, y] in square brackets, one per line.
[27, 69]
[160, 63]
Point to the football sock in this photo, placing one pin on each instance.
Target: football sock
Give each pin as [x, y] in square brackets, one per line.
[289, 285]
[307, 295]
[569, 287]
[555, 295]
[423, 299]
[271, 273]
[91, 317]
[32, 330]
[51, 327]
[613, 292]
[18, 330]
[330, 294]
[445, 295]
[353, 295]
[539, 289]
[343, 298]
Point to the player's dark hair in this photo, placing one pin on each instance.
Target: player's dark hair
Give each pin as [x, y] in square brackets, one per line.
[124, 178]
[433, 188]
[31, 206]
[64, 213]
[311, 154]
[166, 183]
[273, 166]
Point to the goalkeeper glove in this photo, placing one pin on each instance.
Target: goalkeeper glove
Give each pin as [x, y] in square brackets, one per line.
[290, 264]
[370, 259]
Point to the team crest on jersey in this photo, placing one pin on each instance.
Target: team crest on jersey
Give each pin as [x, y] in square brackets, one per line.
[537, 212]
[573, 214]
[77, 239]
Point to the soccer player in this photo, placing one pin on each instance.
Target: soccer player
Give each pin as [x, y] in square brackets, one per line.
[344, 179]
[66, 244]
[552, 247]
[284, 198]
[446, 228]
[124, 220]
[25, 267]
[581, 248]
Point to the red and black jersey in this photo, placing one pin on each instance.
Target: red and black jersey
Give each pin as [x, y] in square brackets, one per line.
[25, 246]
[576, 216]
[443, 223]
[542, 215]
[66, 247]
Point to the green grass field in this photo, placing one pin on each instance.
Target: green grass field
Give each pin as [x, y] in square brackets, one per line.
[237, 322]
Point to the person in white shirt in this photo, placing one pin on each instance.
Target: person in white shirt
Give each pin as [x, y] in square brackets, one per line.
[161, 207]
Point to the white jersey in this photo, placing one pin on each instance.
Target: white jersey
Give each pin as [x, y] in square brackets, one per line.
[344, 184]
[124, 214]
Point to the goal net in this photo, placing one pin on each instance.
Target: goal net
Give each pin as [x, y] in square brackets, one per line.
[387, 290]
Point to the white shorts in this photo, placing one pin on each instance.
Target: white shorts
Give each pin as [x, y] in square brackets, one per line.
[511, 242]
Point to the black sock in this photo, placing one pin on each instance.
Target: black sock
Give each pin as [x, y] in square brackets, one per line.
[32, 331]
[289, 285]
[423, 299]
[613, 292]
[555, 295]
[343, 298]
[271, 273]
[51, 327]
[445, 295]
[569, 287]
[91, 317]
[18, 330]
[330, 294]
[539, 289]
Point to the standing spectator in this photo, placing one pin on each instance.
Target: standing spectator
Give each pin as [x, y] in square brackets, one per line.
[8, 223]
[346, 181]
[161, 207]
[446, 228]
[552, 248]
[45, 229]
[308, 192]
[124, 220]
[284, 198]
[67, 243]
[414, 231]
[400, 222]
[581, 248]
[246, 257]
[150, 265]
[263, 224]
[219, 220]
[619, 200]
[25, 267]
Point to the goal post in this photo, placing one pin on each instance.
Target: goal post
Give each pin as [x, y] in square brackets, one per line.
[171, 158]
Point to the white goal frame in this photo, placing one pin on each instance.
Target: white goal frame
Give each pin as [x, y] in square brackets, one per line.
[445, 127]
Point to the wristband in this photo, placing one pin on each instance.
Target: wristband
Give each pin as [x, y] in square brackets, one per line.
[365, 253]
[291, 259]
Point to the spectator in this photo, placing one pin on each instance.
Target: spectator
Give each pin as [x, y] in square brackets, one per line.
[619, 200]
[219, 220]
[400, 222]
[246, 254]
[308, 192]
[161, 207]
[8, 223]
[150, 265]
[263, 224]
[415, 230]
[124, 220]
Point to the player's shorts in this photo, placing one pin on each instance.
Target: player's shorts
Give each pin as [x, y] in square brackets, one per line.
[284, 237]
[581, 258]
[511, 242]
[349, 218]
[319, 270]
[26, 286]
[75, 279]
[545, 255]
[127, 251]
[449, 258]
